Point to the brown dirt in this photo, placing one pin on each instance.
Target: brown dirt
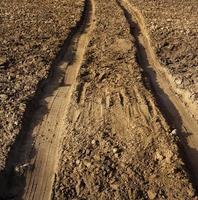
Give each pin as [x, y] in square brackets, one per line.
[29, 42]
[103, 127]
[178, 113]
[173, 28]
[103, 156]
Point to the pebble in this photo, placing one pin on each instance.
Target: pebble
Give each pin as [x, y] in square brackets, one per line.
[158, 156]
[3, 97]
[178, 81]
[93, 142]
[115, 150]
[174, 132]
[3, 60]
[151, 194]
[2, 67]
[88, 152]
[117, 155]
[114, 186]
[26, 68]
[22, 168]
[97, 157]
[87, 163]
[77, 162]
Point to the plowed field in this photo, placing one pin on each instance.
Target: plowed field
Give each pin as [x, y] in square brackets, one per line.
[91, 107]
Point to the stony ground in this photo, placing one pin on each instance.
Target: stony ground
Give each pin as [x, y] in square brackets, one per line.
[104, 135]
[173, 28]
[31, 35]
[117, 145]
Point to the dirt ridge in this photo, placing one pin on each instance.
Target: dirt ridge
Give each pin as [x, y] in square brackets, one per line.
[115, 130]
[100, 129]
[171, 106]
[44, 139]
[184, 95]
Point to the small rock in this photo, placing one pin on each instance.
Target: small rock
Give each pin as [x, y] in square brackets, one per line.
[93, 142]
[3, 60]
[169, 155]
[88, 152]
[3, 97]
[17, 86]
[96, 157]
[114, 186]
[117, 155]
[77, 162]
[158, 156]
[115, 150]
[87, 164]
[190, 192]
[20, 169]
[178, 81]
[2, 67]
[22, 106]
[151, 194]
[174, 132]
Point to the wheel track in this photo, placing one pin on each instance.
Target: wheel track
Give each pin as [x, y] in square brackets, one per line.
[110, 69]
[47, 128]
[171, 106]
[81, 39]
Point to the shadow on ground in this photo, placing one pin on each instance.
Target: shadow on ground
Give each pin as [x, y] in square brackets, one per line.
[166, 106]
[13, 184]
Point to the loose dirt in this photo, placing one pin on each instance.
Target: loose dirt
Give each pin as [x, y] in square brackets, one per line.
[49, 118]
[39, 181]
[29, 44]
[173, 29]
[175, 111]
[103, 156]
[108, 121]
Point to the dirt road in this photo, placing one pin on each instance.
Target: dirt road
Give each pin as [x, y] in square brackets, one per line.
[104, 126]
[102, 155]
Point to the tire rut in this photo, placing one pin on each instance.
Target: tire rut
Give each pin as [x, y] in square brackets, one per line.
[33, 161]
[172, 107]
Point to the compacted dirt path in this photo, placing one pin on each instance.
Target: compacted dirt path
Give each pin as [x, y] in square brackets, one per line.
[117, 144]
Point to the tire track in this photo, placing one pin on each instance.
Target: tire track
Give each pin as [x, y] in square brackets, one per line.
[48, 127]
[43, 180]
[171, 106]
[105, 149]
